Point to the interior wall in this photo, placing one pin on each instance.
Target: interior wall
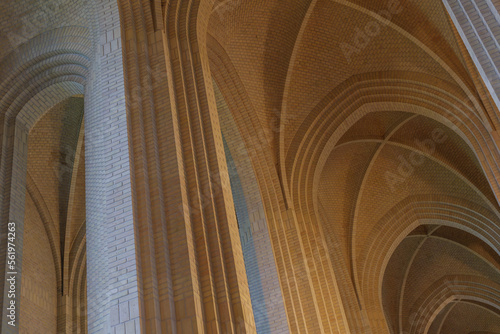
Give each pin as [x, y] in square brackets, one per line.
[38, 309]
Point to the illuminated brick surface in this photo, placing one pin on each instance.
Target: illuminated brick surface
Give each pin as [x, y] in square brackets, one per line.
[236, 166]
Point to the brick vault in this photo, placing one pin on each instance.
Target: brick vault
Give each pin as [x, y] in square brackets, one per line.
[250, 166]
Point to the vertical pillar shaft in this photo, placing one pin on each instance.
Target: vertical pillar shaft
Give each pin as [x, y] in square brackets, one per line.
[112, 268]
[192, 273]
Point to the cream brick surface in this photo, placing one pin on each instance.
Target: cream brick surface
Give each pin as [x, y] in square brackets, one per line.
[236, 166]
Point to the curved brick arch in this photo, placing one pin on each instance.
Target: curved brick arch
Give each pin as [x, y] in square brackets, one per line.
[304, 188]
[324, 140]
[409, 214]
[28, 109]
[54, 69]
[411, 310]
[49, 68]
[459, 213]
[310, 163]
[413, 92]
[446, 100]
[65, 40]
[464, 90]
[448, 289]
[397, 30]
[14, 157]
[402, 314]
[164, 252]
[429, 51]
[45, 99]
[288, 79]
[34, 92]
[317, 144]
[387, 142]
[347, 95]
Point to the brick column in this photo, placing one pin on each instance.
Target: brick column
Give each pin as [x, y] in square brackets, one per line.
[205, 190]
[192, 274]
[112, 269]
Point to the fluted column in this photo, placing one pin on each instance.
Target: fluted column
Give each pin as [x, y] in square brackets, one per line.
[192, 277]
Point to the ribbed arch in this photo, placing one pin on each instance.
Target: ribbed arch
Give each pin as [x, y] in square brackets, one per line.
[416, 90]
[63, 76]
[291, 67]
[50, 94]
[330, 124]
[418, 210]
[456, 77]
[431, 233]
[21, 116]
[35, 77]
[61, 65]
[452, 169]
[394, 92]
[372, 160]
[405, 217]
[449, 289]
[75, 39]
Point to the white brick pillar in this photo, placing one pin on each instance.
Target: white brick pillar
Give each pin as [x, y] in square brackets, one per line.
[112, 279]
